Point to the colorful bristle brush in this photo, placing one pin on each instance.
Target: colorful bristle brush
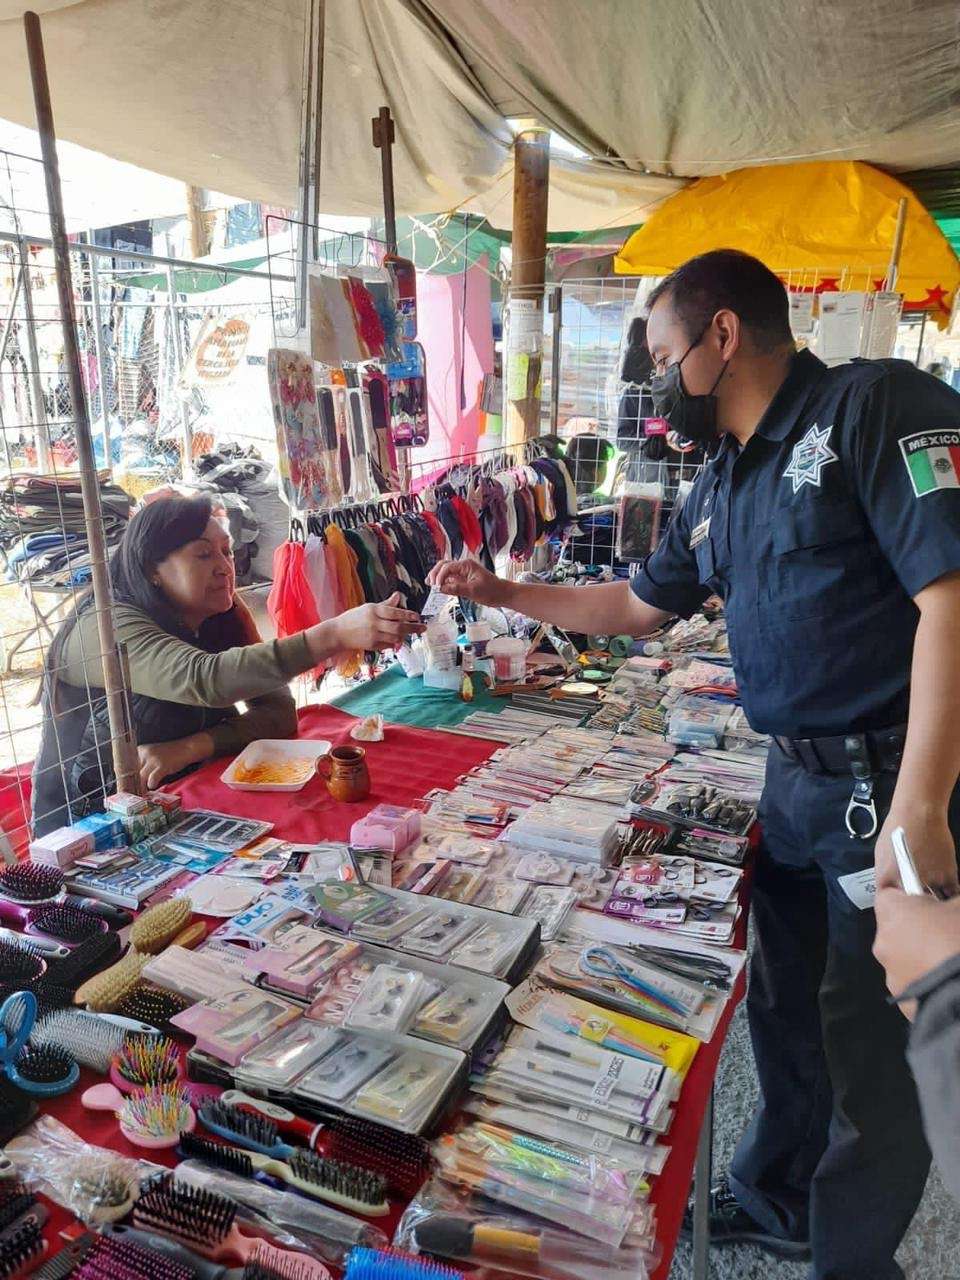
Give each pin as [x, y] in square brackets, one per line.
[390, 1264]
[21, 1251]
[347, 1186]
[267, 1262]
[287, 1122]
[206, 1223]
[247, 1129]
[85, 959]
[29, 883]
[20, 963]
[66, 924]
[152, 1118]
[44, 1070]
[120, 1258]
[103, 992]
[143, 1062]
[159, 925]
[154, 1005]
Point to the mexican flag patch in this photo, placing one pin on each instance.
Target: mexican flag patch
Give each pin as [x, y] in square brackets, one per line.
[933, 460]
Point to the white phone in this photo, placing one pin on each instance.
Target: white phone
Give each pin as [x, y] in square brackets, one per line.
[909, 878]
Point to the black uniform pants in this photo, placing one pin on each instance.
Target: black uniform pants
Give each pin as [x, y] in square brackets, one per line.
[835, 1153]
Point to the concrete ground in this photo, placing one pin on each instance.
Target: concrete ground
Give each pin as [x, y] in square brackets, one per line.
[931, 1250]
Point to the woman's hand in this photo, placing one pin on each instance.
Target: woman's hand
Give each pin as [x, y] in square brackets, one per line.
[162, 760]
[470, 580]
[374, 626]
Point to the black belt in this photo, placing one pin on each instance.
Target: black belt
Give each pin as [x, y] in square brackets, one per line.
[877, 751]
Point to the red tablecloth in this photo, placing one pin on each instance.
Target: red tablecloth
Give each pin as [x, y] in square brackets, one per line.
[407, 763]
[403, 767]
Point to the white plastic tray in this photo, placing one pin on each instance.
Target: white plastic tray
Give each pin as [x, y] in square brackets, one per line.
[265, 749]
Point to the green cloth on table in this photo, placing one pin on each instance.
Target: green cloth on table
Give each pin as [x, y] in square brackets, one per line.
[405, 701]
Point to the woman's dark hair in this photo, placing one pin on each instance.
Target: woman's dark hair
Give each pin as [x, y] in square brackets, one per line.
[155, 532]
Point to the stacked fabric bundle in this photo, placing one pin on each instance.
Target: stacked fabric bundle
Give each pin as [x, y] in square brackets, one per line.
[42, 529]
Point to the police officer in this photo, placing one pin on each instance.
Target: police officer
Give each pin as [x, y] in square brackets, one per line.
[828, 520]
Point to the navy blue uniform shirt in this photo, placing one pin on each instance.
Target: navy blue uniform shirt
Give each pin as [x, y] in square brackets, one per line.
[817, 534]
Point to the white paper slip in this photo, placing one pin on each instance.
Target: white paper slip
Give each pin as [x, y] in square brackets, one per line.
[860, 887]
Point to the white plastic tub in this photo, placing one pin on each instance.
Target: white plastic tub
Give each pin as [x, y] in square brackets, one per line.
[267, 750]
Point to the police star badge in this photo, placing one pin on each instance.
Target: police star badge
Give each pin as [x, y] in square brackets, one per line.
[810, 456]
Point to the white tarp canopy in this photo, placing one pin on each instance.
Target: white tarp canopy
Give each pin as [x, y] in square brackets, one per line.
[654, 92]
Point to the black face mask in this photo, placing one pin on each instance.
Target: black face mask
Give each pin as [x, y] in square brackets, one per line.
[693, 417]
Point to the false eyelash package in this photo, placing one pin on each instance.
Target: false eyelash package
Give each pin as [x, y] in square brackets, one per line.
[231, 1026]
[400, 1082]
[389, 999]
[299, 958]
[277, 1063]
[459, 1008]
[448, 924]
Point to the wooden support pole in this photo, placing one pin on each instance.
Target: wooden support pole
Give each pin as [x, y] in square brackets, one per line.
[125, 763]
[384, 136]
[524, 334]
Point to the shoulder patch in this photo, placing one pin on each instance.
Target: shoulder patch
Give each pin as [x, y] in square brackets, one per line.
[932, 459]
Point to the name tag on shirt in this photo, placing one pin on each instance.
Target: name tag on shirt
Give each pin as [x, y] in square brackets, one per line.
[700, 533]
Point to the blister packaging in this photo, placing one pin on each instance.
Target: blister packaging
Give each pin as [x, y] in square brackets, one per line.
[389, 921]
[280, 1061]
[230, 1027]
[402, 1094]
[486, 950]
[341, 906]
[438, 934]
[544, 868]
[550, 905]
[389, 1000]
[348, 1064]
[300, 958]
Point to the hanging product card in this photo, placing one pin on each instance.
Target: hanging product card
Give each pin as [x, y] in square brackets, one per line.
[409, 414]
[880, 331]
[333, 328]
[403, 273]
[216, 353]
[841, 323]
[329, 445]
[376, 391]
[303, 480]
[802, 314]
[525, 331]
[638, 523]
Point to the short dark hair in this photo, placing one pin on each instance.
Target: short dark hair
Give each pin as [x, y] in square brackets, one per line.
[728, 280]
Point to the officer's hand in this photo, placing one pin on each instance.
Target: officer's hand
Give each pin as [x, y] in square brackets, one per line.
[914, 937]
[468, 579]
[933, 848]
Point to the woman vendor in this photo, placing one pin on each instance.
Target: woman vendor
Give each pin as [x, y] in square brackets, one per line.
[194, 652]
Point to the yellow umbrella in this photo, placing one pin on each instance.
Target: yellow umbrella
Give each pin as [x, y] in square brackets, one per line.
[822, 226]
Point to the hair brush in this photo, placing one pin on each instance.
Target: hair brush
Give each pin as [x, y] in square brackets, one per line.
[106, 990]
[29, 882]
[159, 925]
[21, 1251]
[267, 1262]
[43, 1069]
[154, 1005]
[120, 1258]
[347, 1186]
[391, 1264]
[20, 964]
[66, 924]
[87, 958]
[91, 1040]
[205, 1223]
[145, 1061]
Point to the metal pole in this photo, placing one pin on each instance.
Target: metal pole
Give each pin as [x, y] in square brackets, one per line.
[524, 347]
[703, 1174]
[384, 136]
[893, 270]
[310, 116]
[44, 463]
[187, 438]
[101, 359]
[125, 762]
